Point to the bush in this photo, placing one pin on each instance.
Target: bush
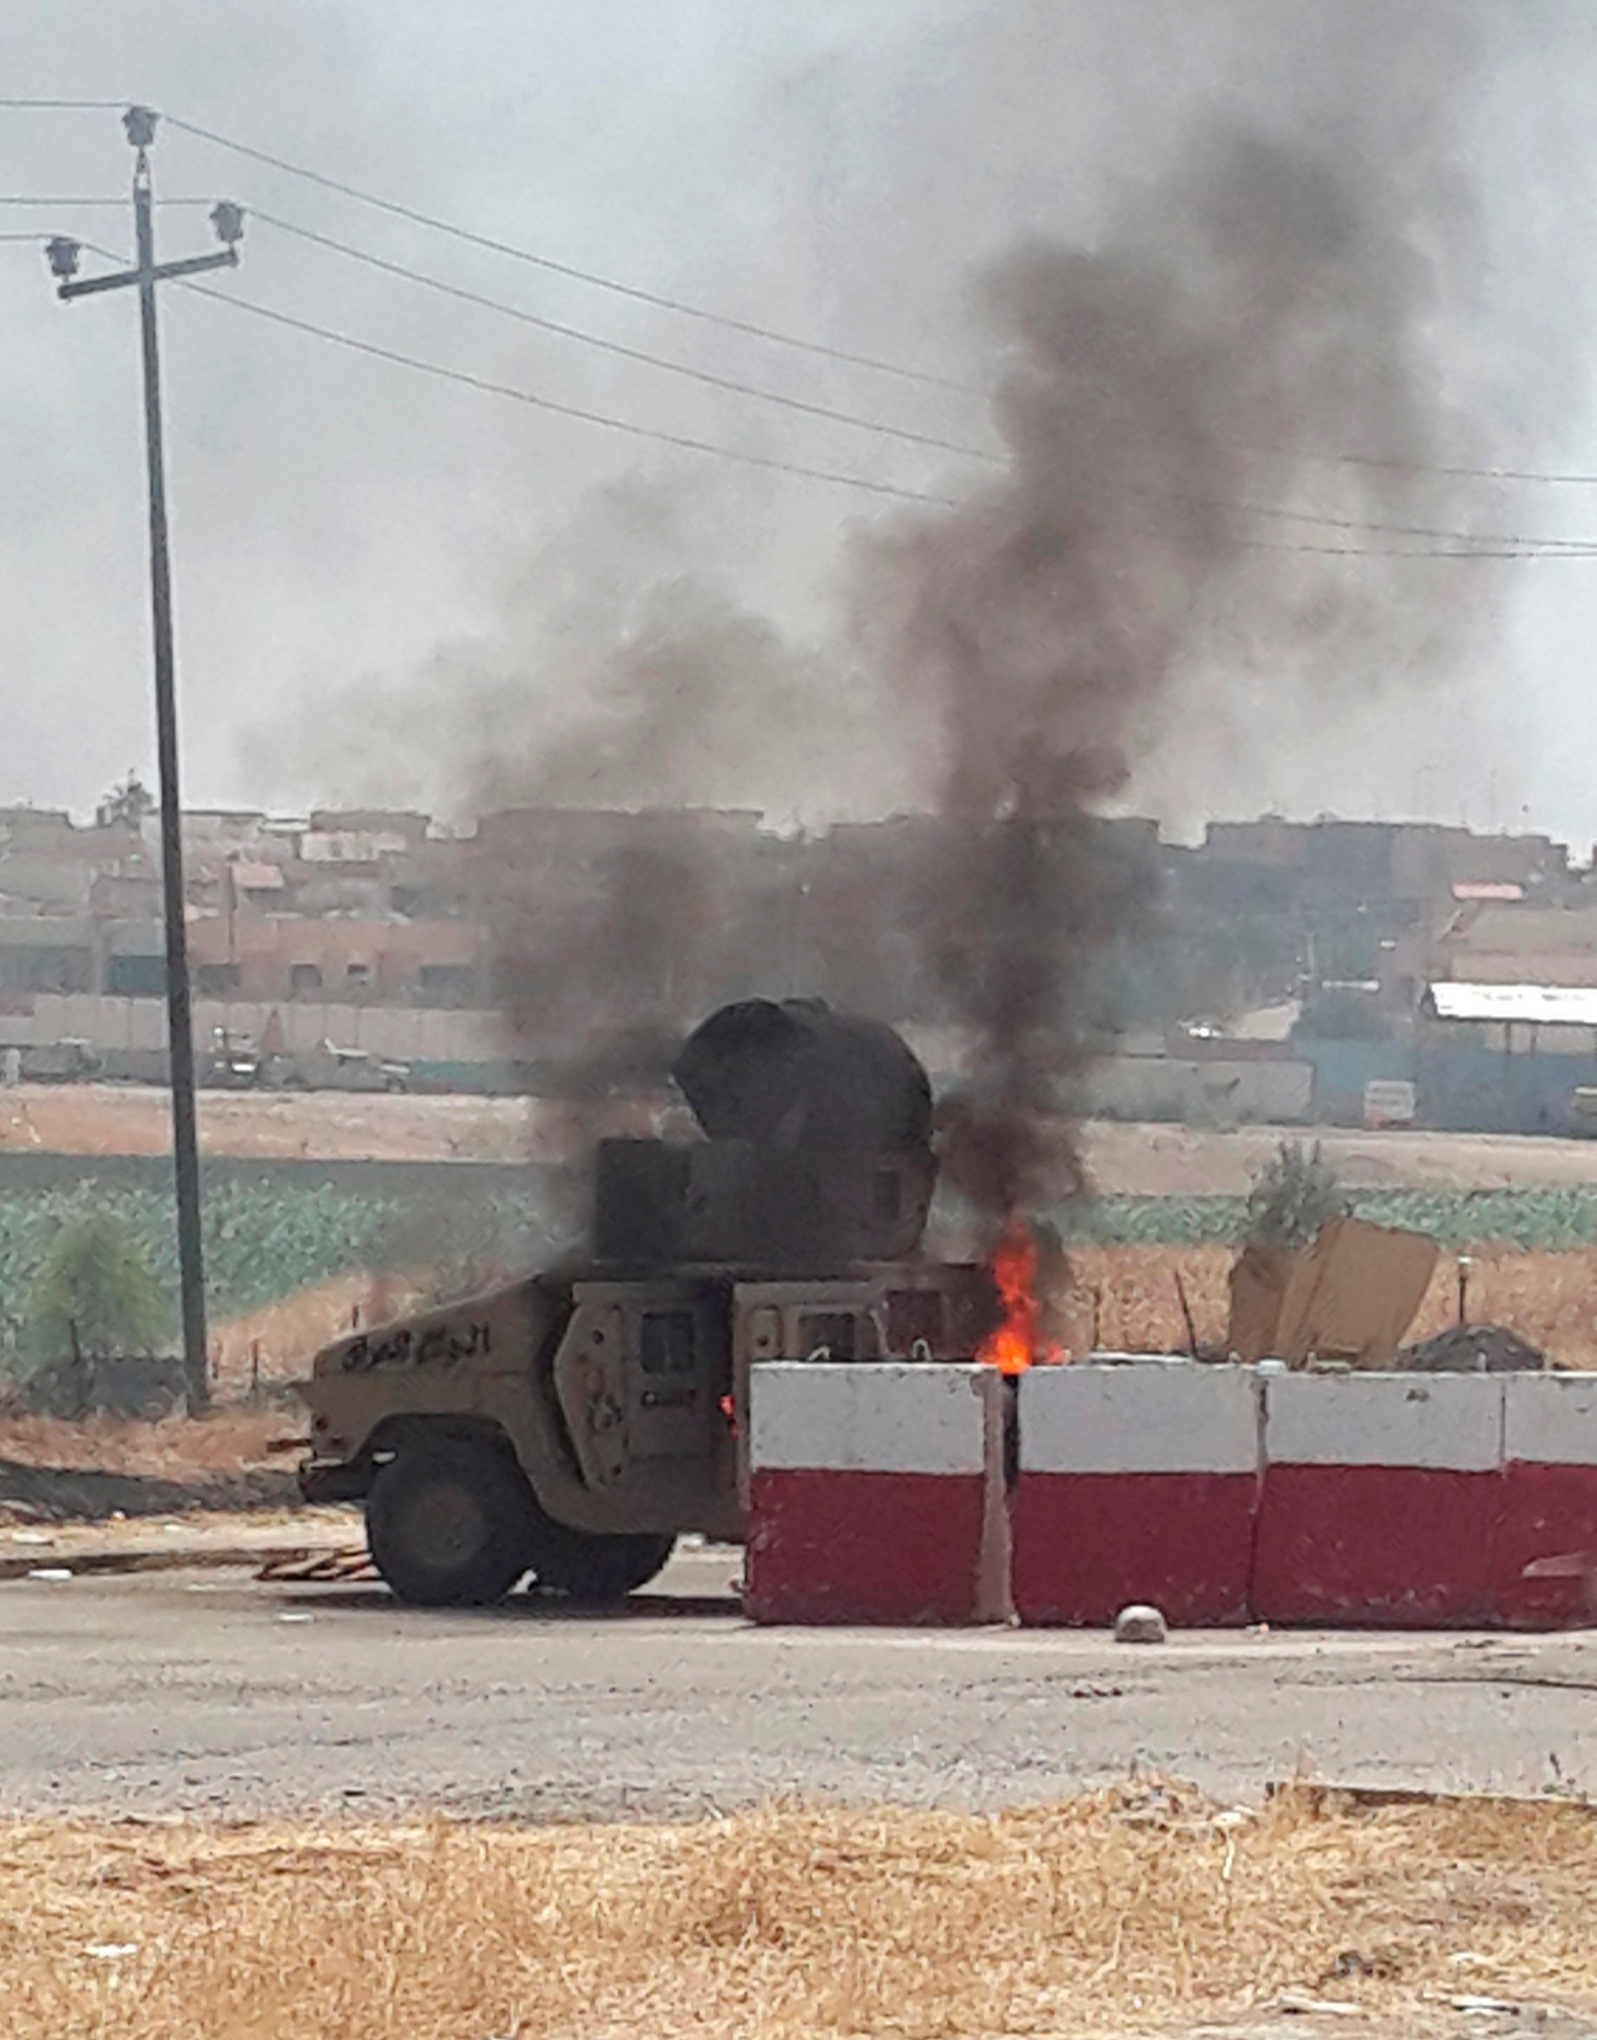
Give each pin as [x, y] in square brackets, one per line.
[1293, 1196]
[96, 1284]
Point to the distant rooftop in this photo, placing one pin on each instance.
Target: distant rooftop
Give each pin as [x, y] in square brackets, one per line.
[1487, 889]
[1532, 1005]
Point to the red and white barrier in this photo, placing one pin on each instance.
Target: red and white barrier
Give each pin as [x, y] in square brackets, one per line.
[876, 1493]
[1545, 1545]
[1136, 1483]
[1381, 1498]
[1220, 1494]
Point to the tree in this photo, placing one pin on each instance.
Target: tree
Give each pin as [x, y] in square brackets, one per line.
[1293, 1196]
[95, 1293]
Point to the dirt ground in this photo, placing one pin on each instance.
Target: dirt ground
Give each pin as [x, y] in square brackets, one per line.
[1149, 1160]
[171, 1541]
[226, 1442]
[1128, 1160]
[342, 1126]
[104, 1469]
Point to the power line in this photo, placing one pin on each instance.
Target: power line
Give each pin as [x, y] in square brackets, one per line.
[1267, 510]
[664, 303]
[826, 411]
[1488, 547]
[1411, 467]
[628, 353]
[564, 410]
[63, 105]
[1537, 543]
[1453, 471]
[122, 201]
[1567, 549]
[658, 299]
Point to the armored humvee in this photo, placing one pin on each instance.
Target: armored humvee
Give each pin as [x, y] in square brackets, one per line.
[572, 1426]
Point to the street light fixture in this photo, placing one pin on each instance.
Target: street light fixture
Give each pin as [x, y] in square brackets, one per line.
[63, 256]
[140, 124]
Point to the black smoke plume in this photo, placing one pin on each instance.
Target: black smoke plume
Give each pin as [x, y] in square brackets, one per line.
[1129, 570]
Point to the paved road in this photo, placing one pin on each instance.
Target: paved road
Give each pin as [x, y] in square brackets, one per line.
[212, 1692]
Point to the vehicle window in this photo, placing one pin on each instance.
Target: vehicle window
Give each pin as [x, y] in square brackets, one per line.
[668, 1342]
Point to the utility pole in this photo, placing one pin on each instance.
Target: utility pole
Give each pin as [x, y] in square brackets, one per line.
[228, 221]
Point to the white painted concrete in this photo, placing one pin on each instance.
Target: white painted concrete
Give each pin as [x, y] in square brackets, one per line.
[1550, 1419]
[1174, 1417]
[1447, 1421]
[871, 1417]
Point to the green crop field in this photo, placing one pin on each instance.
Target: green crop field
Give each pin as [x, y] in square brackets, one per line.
[264, 1241]
[268, 1240]
[1549, 1221]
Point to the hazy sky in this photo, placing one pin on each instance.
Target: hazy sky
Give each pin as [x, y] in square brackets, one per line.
[345, 528]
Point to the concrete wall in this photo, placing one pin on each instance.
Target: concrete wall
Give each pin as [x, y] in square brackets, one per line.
[1489, 1091]
[1197, 1093]
[403, 1033]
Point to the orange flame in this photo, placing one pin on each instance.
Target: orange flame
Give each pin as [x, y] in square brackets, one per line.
[1016, 1343]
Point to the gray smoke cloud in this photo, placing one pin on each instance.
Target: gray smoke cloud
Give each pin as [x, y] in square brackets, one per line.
[1221, 244]
[623, 672]
[1144, 591]
[831, 170]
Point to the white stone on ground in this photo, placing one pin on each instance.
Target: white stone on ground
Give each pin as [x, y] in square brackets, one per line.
[1140, 1624]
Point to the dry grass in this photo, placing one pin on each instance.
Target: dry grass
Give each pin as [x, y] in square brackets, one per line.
[1547, 1298]
[1130, 1910]
[283, 1338]
[174, 1449]
[285, 1335]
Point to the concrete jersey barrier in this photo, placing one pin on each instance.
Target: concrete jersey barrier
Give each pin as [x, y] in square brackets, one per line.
[1380, 1500]
[1136, 1482]
[1221, 1494]
[1545, 1571]
[876, 1493]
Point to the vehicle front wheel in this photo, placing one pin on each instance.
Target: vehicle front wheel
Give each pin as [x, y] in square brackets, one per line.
[590, 1567]
[449, 1522]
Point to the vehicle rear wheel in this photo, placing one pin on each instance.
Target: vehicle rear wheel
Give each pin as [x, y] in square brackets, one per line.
[449, 1523]
[592, 1567]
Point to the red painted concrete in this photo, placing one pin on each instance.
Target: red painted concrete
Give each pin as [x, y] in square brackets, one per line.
[1547, 1517]
[864, 1547]
[1086, 1544]
[1377, 1546]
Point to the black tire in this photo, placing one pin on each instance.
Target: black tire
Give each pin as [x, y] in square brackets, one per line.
[449, 1523]
[594, 1568]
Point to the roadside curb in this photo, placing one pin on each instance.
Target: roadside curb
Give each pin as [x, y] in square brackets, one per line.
[159, 1558]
